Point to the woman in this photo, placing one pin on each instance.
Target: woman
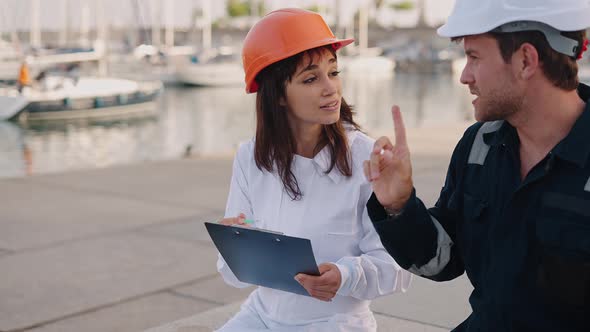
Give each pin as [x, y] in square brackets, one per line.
[302, 175]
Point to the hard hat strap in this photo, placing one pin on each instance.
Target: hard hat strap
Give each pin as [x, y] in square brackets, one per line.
[558, 42]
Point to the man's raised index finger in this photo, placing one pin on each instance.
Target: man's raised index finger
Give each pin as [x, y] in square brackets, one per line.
[398, 126]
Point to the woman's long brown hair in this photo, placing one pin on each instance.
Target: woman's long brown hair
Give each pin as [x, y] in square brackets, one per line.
[275, 144]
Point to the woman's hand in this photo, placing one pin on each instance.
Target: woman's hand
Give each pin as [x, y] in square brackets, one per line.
[324, 286]
[239, 220]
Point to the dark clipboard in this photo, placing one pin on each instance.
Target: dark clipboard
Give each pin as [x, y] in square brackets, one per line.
[264, 258]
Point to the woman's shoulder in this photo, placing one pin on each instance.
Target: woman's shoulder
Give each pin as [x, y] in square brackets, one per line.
[360, 143]
[245, 151]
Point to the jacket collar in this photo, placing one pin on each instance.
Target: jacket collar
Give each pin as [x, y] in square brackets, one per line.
[575, 147]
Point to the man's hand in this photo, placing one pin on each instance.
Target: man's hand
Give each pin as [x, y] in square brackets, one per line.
[324, 286]
[389, 169]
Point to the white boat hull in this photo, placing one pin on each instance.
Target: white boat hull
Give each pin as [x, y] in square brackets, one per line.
[10, 106]
[211, 74]
[130, 110]
[89, 98]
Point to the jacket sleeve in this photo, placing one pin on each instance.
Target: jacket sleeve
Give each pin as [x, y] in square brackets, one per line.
[238, 202]
[424, 241]
[373, 273]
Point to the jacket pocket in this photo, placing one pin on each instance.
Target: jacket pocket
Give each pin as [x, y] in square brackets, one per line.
[473, 232]
[473, 208]
[563, 270]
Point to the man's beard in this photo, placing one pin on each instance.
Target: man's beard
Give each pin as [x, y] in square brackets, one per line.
[498, 105]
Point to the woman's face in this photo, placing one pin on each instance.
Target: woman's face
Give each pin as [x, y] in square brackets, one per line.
[314, 94]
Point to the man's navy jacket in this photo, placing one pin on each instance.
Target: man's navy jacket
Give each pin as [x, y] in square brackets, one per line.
[524, 244]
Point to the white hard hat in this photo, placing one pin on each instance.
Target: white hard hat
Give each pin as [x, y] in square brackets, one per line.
[473, 17]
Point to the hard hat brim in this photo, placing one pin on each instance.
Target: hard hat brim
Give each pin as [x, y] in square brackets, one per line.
[459, 25]
[266, 59]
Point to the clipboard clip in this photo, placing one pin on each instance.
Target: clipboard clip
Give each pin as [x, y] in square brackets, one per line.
[254, 228]
[237, 232]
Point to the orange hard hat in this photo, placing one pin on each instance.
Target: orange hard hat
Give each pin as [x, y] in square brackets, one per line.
[281, 34]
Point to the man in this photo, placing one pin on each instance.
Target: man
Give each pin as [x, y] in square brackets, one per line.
[514, 213]
[24, 78]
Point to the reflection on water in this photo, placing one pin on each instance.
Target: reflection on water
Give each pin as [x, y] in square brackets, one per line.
[12, 150]
[212, 122]
[425, 100]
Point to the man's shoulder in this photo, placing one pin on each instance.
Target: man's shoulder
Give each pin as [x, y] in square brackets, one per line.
[473, 128]
[468, 137]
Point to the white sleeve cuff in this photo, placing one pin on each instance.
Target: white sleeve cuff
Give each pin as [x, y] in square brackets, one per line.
[345, 272]
[403, 280]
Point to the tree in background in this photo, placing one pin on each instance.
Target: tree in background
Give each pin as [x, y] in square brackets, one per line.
[314, 8]
[237, 8]
[403, 5]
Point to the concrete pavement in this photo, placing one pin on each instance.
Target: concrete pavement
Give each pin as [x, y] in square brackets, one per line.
[125, 248]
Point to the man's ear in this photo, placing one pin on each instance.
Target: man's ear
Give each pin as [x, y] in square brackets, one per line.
[282, 102]
[527, 61]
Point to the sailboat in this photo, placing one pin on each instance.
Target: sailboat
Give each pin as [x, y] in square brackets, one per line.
[424, 53]
[40, 57]
[90, 97]
[157, 58]
[365, 60]
[212, 66]
[68, 95]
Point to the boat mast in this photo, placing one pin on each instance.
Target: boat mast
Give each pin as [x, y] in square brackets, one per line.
[169, 14]
[422, 17]
[63, 33]
[35, 29]
[85, 24]
[101, 38]
[363, 27]
[156, 21]
[206, 7]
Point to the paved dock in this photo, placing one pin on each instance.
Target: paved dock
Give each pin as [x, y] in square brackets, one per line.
[125, 249]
